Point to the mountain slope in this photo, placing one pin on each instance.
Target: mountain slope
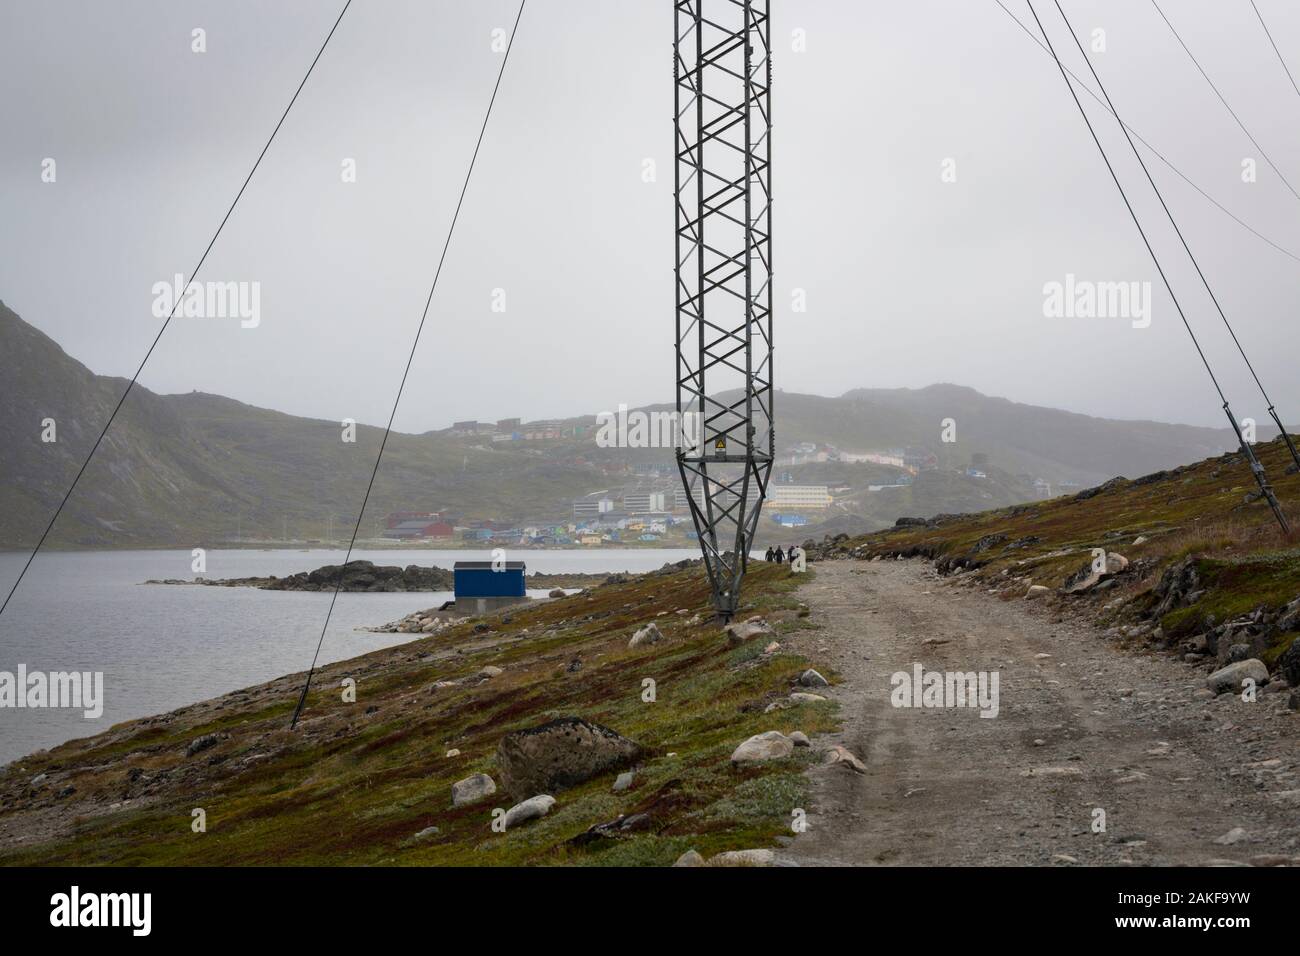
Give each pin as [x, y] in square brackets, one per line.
[200, 470]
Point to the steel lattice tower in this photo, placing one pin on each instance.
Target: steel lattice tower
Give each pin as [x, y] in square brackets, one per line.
[722, 72]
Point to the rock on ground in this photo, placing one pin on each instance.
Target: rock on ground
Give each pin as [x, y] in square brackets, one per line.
[772, 745]
[650, 634]
[531, 809]
[810, 678]
[1229, 678]
[744, 858]
[845, 758]
[472, 789]
[562, 753]
[739, 633]
[690, 858]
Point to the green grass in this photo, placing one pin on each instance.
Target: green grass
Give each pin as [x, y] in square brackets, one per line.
[352, 788]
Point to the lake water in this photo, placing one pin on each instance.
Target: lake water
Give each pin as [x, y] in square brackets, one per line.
[162, 647]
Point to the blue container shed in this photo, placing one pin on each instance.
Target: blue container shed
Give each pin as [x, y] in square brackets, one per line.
[477, 579]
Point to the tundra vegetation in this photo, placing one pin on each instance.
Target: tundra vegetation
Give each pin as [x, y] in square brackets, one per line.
[370, 782]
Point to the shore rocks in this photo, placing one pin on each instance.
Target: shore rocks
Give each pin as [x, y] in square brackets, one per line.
[472, 789]
[1229, 679]
[810, 678]
[533, 808]
[561, 753]
[772, 745]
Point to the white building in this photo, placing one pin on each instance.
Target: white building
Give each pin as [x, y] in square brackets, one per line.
[798, 497]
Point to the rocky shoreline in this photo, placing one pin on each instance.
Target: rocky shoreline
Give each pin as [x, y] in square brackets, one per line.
[365, 576]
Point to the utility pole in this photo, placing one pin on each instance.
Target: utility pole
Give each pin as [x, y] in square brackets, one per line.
[722, 71]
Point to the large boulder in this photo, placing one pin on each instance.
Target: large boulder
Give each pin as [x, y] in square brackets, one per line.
[562, 753]
[1228, 679]
[772, 745]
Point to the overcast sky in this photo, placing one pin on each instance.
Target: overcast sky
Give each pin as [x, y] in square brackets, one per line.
[909, 280]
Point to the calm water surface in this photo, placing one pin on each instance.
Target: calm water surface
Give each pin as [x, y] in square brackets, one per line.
[162, 647]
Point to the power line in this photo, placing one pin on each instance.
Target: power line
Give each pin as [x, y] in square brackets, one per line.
[302, 698]
[1280, 59]
[194, 272]
[1224, 101]
[1155, 152]
[1255, 467]
[1186, 248]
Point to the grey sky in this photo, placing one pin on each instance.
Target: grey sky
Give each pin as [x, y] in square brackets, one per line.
[909, 280]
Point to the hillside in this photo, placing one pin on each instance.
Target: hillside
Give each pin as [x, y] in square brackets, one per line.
[187, 470]
[370, 782]
[1195, 562]
[199, 469]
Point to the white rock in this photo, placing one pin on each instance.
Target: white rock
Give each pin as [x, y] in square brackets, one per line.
[472, 789]
[803, 697]
[800, 739]
[1229, 678]
[1036, 591]
[1235, 835]
[453, 752]
[650, 634]
[844, 757]
[740, 633]
[810, 678]
[623, 781]
[772, 745]
[490, 671]
[744, 858]
[690, 858]
[531, 809]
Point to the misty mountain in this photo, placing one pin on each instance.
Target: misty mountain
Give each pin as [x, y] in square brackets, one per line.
[197, 469]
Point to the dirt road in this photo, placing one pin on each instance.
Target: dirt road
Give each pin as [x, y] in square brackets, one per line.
[1082, 726]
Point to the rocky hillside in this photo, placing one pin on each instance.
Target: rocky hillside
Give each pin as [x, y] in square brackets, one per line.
[1188, 559]
[457, 749]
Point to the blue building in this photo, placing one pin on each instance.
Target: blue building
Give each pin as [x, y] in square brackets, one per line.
[477, 579]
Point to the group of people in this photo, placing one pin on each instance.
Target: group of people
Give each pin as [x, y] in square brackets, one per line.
[780, 556]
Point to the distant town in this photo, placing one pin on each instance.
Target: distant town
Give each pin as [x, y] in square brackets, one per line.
[650, 508]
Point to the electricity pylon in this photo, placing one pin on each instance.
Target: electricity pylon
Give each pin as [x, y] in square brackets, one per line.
[722, 71]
